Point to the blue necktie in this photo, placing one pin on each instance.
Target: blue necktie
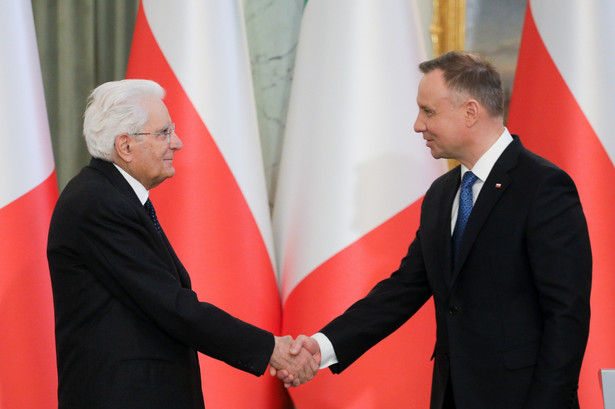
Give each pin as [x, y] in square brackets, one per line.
[465, 208]
[152, 214]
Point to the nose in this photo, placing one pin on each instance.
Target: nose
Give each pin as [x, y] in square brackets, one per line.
[175, 143]
[419, 124]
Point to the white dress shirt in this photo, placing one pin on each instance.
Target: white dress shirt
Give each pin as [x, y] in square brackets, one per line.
[140, 190]
[481, 169]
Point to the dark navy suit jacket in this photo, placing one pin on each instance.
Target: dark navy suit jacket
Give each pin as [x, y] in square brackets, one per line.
[128, 326]
[513, 314]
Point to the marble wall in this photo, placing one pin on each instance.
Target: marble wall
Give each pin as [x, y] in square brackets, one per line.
[272, 28]
[493, 28]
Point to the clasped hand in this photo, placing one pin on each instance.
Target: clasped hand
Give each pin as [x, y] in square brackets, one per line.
[295, 362]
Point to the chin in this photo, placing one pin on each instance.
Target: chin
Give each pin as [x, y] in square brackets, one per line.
[435, 154]
[169, 172]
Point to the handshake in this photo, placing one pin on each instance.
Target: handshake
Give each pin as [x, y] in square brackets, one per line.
[295, 362]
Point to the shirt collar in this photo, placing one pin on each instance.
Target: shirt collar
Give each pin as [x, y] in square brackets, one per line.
[483, 166]
[140, 190]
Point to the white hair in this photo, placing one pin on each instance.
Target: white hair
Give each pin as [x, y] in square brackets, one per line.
[114, 108]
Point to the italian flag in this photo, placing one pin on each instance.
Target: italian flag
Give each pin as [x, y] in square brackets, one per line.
[28, 191]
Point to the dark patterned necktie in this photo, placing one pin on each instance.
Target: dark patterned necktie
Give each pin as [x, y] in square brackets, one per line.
[465, 208]
[152, 214]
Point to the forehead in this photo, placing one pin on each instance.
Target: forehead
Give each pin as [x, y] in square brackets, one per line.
[434, 94]
[432, 87]
[158, 114]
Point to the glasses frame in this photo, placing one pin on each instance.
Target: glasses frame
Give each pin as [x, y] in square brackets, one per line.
[170, 131]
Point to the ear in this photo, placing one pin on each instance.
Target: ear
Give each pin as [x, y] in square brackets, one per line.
[123, 147]
[472, 112]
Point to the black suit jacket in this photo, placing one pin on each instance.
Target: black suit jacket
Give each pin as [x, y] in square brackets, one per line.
[127, 323]
[513, 314]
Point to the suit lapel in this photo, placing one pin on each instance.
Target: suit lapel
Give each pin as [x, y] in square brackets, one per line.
[120, 183]
[180, 270]
[436, 229]
[445, 224]
[494, 187]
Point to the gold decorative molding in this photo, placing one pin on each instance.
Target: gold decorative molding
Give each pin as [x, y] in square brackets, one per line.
[448, 28]
[448, 32]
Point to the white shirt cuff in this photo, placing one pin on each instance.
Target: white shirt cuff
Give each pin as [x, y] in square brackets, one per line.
[327, 353]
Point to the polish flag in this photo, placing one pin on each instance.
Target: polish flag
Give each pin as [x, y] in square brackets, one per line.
[352, 178]
[562, 102]
[215, 209]
[28, 191]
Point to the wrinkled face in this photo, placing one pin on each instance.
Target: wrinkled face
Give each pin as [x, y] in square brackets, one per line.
[153, 154]
[441, 117]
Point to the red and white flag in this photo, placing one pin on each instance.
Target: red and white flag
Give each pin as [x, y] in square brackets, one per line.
[215, 209]
[562, 103]
[351, 181]
[28, 192]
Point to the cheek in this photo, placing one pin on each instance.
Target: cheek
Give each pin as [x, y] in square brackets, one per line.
[446, 126]
[158, 153]
[434, 126]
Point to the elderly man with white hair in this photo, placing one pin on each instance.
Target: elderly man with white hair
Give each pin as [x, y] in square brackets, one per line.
[128, 325]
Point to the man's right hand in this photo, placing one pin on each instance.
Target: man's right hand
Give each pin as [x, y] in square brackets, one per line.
[293, 364]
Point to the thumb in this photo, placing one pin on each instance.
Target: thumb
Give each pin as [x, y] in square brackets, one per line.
[295, 348]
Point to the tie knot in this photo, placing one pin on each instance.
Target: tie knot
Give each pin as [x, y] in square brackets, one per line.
[468, 179]
[149, 206]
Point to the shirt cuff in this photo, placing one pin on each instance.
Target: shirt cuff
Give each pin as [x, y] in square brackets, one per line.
[327, 353]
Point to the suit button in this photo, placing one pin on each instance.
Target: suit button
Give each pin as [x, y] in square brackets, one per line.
[453, 310]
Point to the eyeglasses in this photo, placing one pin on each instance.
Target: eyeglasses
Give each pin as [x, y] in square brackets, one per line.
[168, 132]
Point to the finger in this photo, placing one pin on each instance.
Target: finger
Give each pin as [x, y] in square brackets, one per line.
[295, 348]
[285, 377]
[317, 359]
[313, 369]
[311, 345]
[314, 365]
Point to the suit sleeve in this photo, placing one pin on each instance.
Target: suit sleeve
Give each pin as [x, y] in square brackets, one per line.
[125, 256]
[560, 257]
[387, 306]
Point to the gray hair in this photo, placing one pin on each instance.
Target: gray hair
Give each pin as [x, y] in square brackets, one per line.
[114, 108]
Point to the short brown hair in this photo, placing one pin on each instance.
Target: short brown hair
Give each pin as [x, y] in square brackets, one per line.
[469, 73]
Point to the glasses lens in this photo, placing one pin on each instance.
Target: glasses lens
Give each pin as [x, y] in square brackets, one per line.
[170, 132]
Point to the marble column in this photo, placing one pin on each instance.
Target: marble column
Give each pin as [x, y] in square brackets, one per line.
[272, 28]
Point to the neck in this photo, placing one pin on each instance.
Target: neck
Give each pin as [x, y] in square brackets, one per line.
[483, 139]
